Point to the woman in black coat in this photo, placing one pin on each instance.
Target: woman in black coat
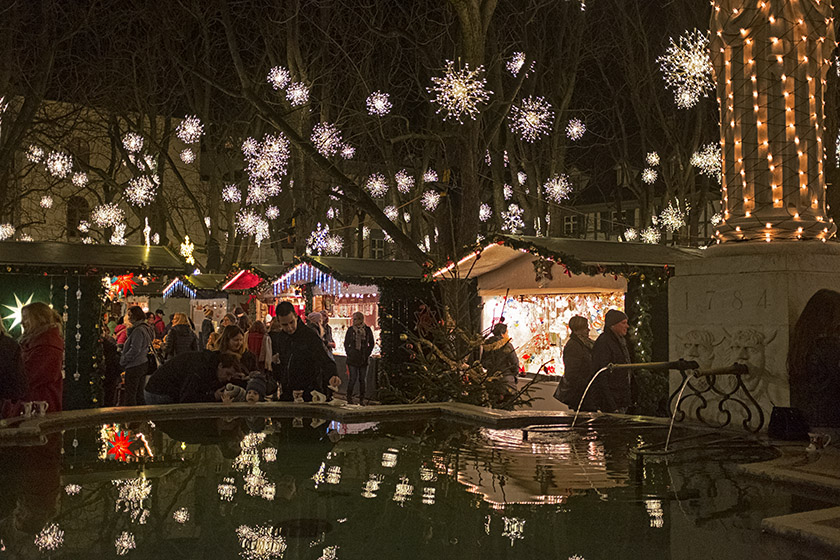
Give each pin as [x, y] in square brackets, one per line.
[577, 364]
[180, 337]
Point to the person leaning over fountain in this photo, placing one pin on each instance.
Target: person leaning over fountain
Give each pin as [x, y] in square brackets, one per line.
[301, 359]
[193, 377]
[611, 348]
[498, 356]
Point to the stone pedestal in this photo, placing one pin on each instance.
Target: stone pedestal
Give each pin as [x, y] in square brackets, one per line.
[738, 304]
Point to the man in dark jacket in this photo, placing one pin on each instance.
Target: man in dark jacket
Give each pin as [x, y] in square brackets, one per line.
[207, 329]
[192, 377]
[358, 344]
[611, 348]
[302, 363]
[498, 355]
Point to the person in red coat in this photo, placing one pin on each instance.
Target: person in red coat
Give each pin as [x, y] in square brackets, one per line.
[42, 350]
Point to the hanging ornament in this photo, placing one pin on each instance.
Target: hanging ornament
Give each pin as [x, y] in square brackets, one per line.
[124, 284]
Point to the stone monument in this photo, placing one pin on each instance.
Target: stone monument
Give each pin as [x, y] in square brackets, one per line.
[739, 302]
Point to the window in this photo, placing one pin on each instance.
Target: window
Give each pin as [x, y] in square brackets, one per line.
[77, 210]
[571, 225]
[377, 244]
[80, 149]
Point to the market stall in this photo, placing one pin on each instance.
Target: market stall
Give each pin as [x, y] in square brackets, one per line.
[536, 284]
[343, 286]
[80, 282]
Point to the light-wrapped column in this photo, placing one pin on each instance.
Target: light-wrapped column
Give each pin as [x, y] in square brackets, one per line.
[771, 59]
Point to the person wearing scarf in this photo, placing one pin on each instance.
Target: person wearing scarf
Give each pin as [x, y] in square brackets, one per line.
[358, 345]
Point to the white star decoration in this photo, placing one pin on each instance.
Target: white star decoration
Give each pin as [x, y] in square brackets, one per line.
[16, 311]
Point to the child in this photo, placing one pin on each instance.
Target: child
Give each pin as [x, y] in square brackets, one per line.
[255, 390]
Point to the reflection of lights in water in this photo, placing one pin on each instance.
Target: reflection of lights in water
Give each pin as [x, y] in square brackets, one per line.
[247, 460]
[260, 543]
[227, 489]
[254, 483]
[371, 487]
[656, 513]
[268, 491]
[428, 496]
[576, 557]
[72, 489]
[514, 528]
[319, 477]
[140, 516]
[334, 475]
[487, 524]
[403, 491]
[132, 494]
[51, 537]
[181, 515]
[250, 441]
[269, 454]
[389, 458]
[427, 474]
[124, 543]
[329, 553]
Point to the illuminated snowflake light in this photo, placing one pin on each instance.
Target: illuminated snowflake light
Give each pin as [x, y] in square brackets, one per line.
[84, 226]
[189, 130]
[378, 104]
[326, 138]
[656, 513]
[687, 66]
[59, 164]
[248, 222]
[430, 176]
[390, 212]
[558, 188]
[389, 458]
[329, 553]
[35, 154]
[269, 454]
[485, 212]
[80, 179]
[531, 119]
[709, 160]
[125, 543]
[404, 180]
[430, 200]
[673, 217]
[515, 63]
[716, 219]
[72, 489]
[260, 542]
[51, 537]
[181, 515]
[652, 159]
[141, 190]
[268, 161]
[459, 92]
[279, 77]
[575, 129]
[272, 212]
[403, 491]
[507, 192]
[187, 155]
[187, 250]
[106, 215]
[46, 201]
[630, 234]
[512, 219]
[132, 142]
[322, 242]
[650, 235]
[250, 146]
[514, 528]
[231, 193]
[376, 185]
[521, 177]
[649, 175]
[297, 94]
[347, 151]
[371, 486]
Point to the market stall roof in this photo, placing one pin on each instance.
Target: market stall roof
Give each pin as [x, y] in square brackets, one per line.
[507, 264]
[79, 258]
[208, 282]
[365, 271]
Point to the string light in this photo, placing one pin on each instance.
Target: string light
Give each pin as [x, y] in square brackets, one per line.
[459, 92]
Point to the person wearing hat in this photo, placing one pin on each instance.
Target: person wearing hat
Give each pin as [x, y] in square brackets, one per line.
[255, 390]
[613, 387]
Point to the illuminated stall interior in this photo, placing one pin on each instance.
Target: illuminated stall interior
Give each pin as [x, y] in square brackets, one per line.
[342, 286]
[537, 294]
